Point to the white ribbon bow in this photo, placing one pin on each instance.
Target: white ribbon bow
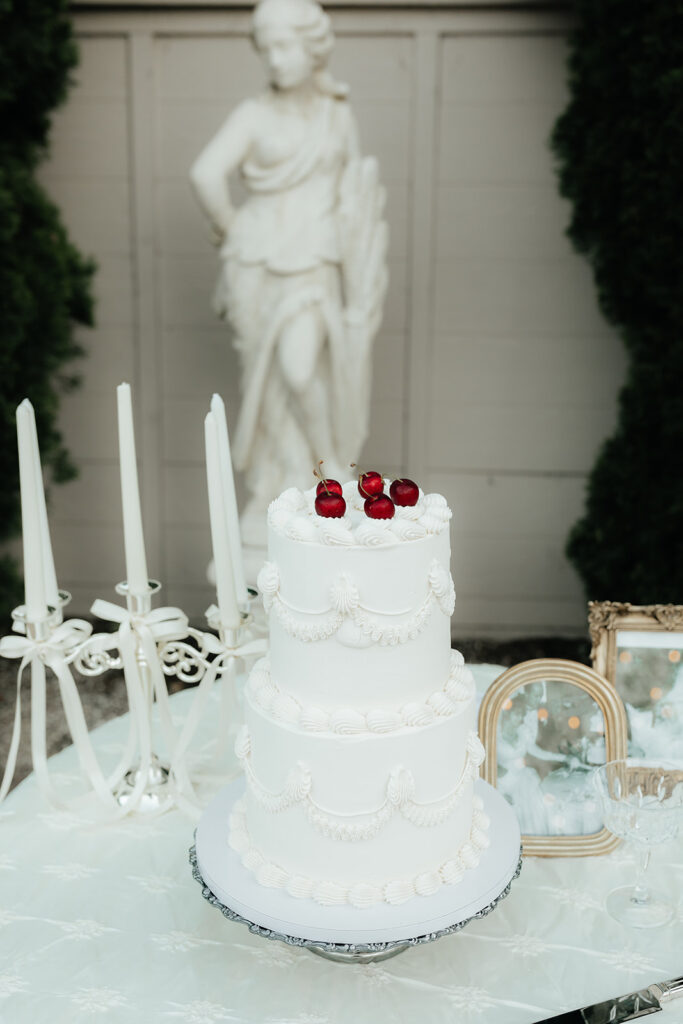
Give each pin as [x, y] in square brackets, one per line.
[136, 640]
[54, 653]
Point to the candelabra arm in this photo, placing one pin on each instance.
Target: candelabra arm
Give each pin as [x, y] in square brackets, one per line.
[213, 659]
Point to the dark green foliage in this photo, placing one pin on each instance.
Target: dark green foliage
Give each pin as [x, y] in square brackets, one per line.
[620, 150]
[44, 282]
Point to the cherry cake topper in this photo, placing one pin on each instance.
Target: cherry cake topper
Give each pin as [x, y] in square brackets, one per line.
[329, 501]
[404, 491]
[379, 505]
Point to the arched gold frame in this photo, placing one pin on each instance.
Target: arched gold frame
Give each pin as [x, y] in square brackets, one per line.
[614, 715]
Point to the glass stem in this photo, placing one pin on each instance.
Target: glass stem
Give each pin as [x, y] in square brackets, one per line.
[641, 893]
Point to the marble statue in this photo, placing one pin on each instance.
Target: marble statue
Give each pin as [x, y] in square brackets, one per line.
[303, 261]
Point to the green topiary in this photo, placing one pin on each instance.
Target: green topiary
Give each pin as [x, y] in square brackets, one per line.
[44, 282]
[620, 150]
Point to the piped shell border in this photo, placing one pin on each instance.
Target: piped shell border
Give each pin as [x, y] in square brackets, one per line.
[346, 951]
[362, 894]
[452, 699]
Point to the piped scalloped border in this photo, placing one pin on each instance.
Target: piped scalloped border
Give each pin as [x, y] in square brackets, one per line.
[345, 604]
[453, 698]
[362, 894]
[399, 799]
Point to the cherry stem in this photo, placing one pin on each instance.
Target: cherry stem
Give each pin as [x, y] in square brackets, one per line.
[360, 483]
[318, 475]
[354, 465]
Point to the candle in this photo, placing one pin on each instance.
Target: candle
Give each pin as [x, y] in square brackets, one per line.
[49, 575]
[230, 501]
[134, 541]
[225, 583]
[34, 584]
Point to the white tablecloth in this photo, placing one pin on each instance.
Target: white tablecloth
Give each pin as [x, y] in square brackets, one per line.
[108, 925]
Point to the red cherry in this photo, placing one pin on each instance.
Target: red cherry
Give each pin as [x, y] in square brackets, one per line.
[380, 506]
[404, 492]
[333, 486]
[330, 506]
[370, 484]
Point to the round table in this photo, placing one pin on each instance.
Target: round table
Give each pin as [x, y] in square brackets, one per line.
[108, 925]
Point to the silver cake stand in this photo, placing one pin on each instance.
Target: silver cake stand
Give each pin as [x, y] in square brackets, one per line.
[347, 934]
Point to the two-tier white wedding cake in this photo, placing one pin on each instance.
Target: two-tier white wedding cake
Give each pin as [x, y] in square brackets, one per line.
[359, 745]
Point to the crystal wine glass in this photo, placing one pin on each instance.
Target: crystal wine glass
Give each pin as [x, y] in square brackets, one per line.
[641, 801]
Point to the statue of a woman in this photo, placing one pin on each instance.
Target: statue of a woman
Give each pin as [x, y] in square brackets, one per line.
[303, 272]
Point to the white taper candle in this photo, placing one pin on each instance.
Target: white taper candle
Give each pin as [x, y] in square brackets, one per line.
[230, 501]
[225, 583]
[134, 541]
[34, 584]
[49, 574]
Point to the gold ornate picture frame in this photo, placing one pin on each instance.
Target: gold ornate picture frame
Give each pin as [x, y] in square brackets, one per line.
[608, 618]
[499, 699]
[639, 650]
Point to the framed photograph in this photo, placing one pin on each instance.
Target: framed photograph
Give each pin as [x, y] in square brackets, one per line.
[639, 649]
[546, 724]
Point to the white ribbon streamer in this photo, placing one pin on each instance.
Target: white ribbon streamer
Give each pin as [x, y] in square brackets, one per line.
[225, 663]
[53, 653]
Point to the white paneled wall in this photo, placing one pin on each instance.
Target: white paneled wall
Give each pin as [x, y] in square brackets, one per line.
[495, 377]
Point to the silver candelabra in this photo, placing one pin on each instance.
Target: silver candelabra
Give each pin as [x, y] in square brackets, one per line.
[149, 646]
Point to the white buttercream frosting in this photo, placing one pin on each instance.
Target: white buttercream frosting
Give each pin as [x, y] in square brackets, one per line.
[333, 531]
[293, 515]
[292, 498]
[406, 529]
[299, 886]
[300, 528]
[360, 751]
[345, 605]
[400, 794]
[329, 892]
[372, 533]
[455, 696]
[347, 722]
[344, 595]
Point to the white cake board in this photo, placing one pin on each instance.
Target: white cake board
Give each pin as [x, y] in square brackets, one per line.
[236, 888]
